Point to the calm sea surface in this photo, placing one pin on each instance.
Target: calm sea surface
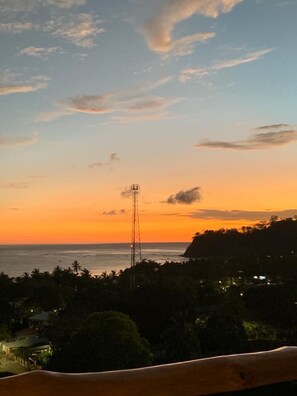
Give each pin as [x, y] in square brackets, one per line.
[17, 259]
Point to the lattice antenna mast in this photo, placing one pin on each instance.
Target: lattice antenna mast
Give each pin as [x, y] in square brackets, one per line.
[135, 237]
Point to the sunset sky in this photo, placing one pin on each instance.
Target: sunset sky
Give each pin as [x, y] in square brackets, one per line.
[195, 100]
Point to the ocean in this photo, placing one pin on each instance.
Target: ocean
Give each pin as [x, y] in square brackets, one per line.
[15, 260]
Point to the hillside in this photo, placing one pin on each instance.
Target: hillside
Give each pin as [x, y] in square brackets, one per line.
[276, 237]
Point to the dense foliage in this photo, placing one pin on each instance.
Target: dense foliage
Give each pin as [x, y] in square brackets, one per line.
[271, 238]
[105, 341]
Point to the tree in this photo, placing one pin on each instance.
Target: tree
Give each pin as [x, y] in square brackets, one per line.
[76, 266]
[86, 274]
[105, 341]
[180, 341]
[223, 334]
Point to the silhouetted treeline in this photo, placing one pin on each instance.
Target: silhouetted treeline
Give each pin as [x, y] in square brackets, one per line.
[277, 237]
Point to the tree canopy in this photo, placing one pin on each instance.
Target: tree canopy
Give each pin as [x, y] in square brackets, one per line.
[105, 341]
[276, 237]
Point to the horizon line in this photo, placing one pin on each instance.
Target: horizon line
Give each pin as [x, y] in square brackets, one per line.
[86, 243]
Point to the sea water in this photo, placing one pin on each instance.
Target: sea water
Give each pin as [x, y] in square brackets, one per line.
[15, 260]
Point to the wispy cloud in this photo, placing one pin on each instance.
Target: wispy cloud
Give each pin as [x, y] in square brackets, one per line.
[81, 29]
[16, 27]
[252, 215]
[15, 186]
[186, 197]
[273, 126]
[64, 4]
[9, 84]
[52, 115]
[189, 73]
[158, 30]
[149, 103]
[134, 105]
[143, 117]
[261, 140]
[42, 53]
[251, 57]
[18, 141]
[36, 177]
[91, 104]
[114, 158]
[14, 7]
[114, 212]
[16, 16]
[19, 16]
[185, 45]
[127, 192]
[12, 89]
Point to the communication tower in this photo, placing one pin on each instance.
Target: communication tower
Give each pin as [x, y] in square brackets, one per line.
[135, 236]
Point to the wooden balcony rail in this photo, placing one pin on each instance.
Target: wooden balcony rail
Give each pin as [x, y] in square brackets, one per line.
[192, 378]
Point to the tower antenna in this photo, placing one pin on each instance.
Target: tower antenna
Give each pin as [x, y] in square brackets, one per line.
[135, 236]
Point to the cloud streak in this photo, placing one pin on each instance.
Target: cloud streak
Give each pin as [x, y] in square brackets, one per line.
[114, 212]
[16, 27]
[260, 140]
[185, 45]
[63, 4]
[251, 57]
[19, 141]
[42, 53]
[135, 105]
[14, 7]
[8, 89]
[142, 117]
[15, 186]
[252, 215]
[273, 126]
[158, 30]
[189, 73]
[187, 197]
[127, 192]
[9, 85]
[52, 115]
[114, 158]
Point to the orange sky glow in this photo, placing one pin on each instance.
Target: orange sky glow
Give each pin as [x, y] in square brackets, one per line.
[195, 101]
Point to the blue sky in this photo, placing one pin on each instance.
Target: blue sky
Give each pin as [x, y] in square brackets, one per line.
[175, 95]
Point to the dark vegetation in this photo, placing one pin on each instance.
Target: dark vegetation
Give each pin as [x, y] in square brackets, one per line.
[224, 301]
[278, 237]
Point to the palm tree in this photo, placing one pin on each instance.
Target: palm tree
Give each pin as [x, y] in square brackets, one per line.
[85, 273]
[57, 274]
[36, 274]
[76, 267]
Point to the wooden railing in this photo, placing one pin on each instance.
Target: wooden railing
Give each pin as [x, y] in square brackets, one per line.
[192, 378]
